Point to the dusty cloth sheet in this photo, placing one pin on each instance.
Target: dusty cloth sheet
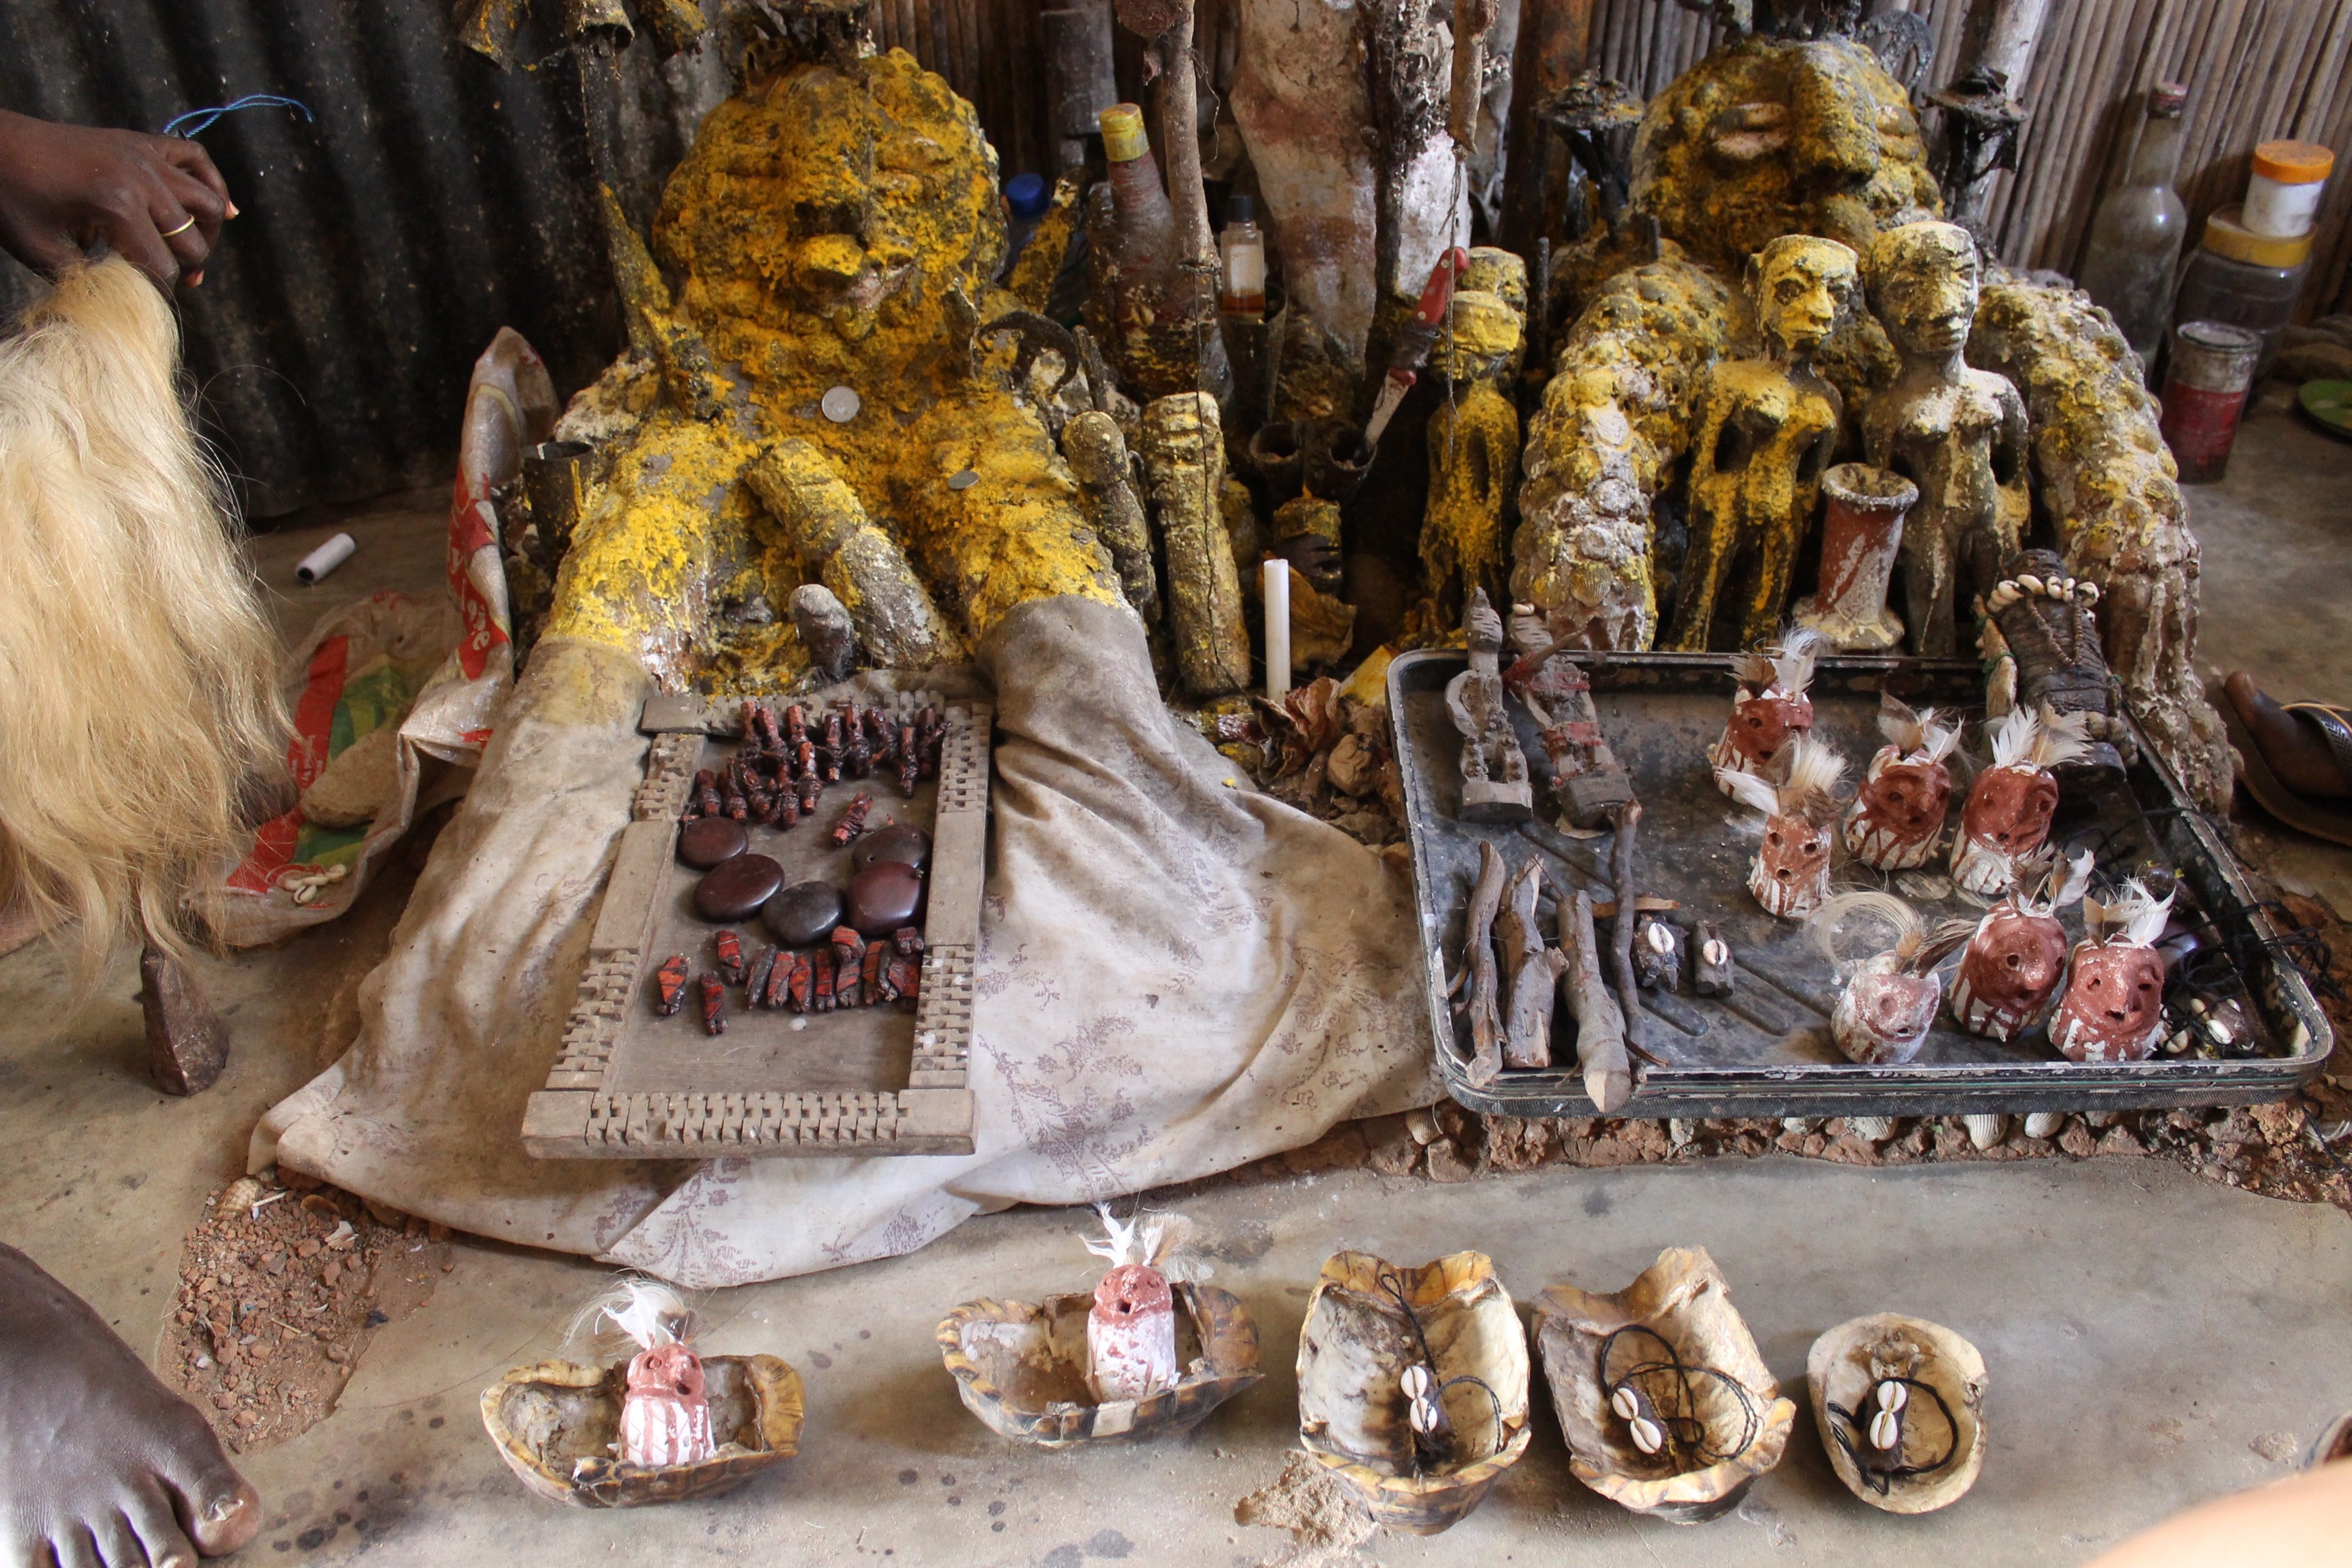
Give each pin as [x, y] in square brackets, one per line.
[1177, 976]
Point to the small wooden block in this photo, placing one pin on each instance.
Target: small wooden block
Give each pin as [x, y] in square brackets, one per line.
[936, 1120]
[555, 1122]
[1489, 800]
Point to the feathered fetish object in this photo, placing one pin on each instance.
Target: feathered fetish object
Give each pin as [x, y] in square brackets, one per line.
[2017, 955]
[2009, 806]
[2113, 1010]
[1887, 1003]
[1897, 817]
[140, 719]
[1131, 1329]
[1790, 876]
[666, 1417]
[1771, 707]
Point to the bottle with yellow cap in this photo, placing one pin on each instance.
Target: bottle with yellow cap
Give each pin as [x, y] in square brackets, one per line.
[2135, 235]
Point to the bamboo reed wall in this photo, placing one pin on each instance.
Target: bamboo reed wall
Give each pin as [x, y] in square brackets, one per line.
[2256, 69]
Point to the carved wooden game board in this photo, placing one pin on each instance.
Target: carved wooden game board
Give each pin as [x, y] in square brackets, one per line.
[630, 1084]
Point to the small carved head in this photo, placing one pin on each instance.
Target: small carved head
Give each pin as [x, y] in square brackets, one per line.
[1923, 286]
[1791, 875]
[1905, 798]
[1763, 723]
[2013, 962]
[669, 1369]
[1802, 287]
[2113, 1010]
[2010, 810]
[1884, 1014]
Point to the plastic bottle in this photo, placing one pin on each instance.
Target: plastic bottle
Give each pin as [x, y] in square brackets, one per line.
[1026, 198]
[2244, 279]
[1145, 219]
[2135, 235]
[1242, 247]
[2283, 193]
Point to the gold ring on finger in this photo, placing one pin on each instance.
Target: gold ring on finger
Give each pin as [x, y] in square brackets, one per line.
[182, 229]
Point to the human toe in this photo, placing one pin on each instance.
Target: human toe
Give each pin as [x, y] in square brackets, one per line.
[218, 1509]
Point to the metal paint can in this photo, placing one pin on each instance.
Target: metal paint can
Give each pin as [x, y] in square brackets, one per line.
[2205, 386]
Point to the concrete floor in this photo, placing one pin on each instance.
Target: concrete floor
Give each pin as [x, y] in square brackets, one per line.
[2153, 1339]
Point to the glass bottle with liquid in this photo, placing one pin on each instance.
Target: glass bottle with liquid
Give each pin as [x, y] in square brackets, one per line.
[1145, 218]
[1242, 248]
[2134, 244]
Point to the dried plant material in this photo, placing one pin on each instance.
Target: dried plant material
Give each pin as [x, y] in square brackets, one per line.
[1683, 1301]
[1899, 1403]
[1412, 1385]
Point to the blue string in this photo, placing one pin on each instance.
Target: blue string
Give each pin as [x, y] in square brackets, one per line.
[197, 120]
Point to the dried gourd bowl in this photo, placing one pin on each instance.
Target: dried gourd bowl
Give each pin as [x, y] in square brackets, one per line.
[1683, 1300]
[555, 1424]
[1021, 1367]
[1353, 1353]
[1942, 1446]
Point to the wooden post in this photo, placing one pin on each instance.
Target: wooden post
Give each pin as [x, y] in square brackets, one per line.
[1999, 36]
[1555, 43]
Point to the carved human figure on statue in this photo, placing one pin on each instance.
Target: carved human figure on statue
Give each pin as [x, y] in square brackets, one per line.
[1767, 429]
[1495, 786]
[1955, 432]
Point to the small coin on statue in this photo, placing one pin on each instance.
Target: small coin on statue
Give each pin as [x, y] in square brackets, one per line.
[841, 404]
[962, 479]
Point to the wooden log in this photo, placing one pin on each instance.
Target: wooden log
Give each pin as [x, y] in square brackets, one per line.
[1599, 1026]
[1620, 870]
[1478, 960]
[1531, 973]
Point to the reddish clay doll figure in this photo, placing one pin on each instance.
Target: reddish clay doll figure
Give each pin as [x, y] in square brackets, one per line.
[1897, 817]
[1790, 876]
[2113, 1008]
[2007, 814]
[2017, 955]
[665, 1416]
[1771, 707]
[1889, 1002]
[1131, 1328]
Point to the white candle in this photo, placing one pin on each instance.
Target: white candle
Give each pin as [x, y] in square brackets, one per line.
[325, 559]
[1277, 629]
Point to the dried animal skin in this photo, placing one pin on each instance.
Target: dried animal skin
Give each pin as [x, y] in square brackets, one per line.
[1184, 459]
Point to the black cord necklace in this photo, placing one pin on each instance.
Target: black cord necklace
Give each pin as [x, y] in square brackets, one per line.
[1658, 1399]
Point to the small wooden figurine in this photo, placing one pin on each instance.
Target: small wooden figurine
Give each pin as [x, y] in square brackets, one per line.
[2113, 1010]
[1897, 817]
[1714, 971]
[1495, 786]
[2009, 806]
[1960, 432]
[2045, 643]
[2017, 955]
[1790, 876]
[1771, 707]
[1587, 780]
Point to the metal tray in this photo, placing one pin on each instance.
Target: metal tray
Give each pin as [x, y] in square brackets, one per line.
[629, 1084]
[1766, 1050]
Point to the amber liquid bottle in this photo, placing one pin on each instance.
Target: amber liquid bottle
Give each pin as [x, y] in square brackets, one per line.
[1146, 219]
[2133, 245]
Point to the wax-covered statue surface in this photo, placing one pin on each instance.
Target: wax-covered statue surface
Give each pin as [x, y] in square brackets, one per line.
[1766, 139]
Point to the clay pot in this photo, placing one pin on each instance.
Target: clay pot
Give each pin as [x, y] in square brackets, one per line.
[1275, 453]
[1683, 1299]
[1845, 1368]
[1021, 1367]
[556, 1422]
[1355, 1352]
[1860, 535]
[1337, 458]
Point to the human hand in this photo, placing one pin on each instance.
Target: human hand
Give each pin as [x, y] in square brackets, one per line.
[156, 201]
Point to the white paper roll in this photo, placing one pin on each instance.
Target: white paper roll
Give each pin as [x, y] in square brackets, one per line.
[1277, 629]
[326, 558]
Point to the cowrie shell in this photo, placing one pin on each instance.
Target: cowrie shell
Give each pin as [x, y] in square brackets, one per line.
[1646, 1436]
[2027, 582]
[1885, 1431]
[1661, 940]
[1626, 1402]
[1717, 953]
[1893, 1395]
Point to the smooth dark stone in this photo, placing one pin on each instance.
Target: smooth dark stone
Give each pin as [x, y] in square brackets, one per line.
[708, 841]
[884, 898]
[901, 842]
[735, 889]
[803, 914]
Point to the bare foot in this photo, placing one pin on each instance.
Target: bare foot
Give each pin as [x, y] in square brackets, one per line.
[2291, 745]
[100, 1463]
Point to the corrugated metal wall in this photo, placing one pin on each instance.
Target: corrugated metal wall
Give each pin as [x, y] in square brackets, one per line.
[433, 201]
[2256, 69]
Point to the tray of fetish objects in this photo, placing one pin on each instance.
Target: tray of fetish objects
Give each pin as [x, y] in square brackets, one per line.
[1767, 1047]
[781, 963]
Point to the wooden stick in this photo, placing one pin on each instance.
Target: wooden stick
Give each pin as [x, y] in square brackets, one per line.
[1478, 958]
[1621, 867]
[1531, 974]
[1599, 1024]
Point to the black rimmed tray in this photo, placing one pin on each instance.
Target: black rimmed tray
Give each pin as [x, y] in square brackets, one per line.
[1766, 1050]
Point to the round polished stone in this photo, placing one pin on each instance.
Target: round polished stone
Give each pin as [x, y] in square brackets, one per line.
[708, 841]
[901, 842]
[803, 914]
[883, 898]
[734, 889]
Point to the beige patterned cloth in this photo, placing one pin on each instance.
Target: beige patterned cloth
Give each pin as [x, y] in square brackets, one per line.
[1177, 975]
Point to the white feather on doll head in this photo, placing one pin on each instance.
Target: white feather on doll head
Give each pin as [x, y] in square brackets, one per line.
[2135, 917]
[1901, 930]
[649, 1312]
[1785, 667]
[1157, 1239]
[2042, 740]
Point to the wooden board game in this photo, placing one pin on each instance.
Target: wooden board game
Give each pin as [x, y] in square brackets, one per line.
[631, 1083]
